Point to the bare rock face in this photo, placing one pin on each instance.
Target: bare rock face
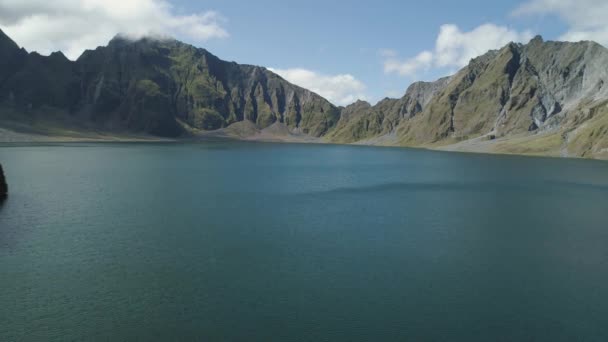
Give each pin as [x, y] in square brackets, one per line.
[159, 87]
[3, 186]
[541, 97]
[535, 90]
[362, 121]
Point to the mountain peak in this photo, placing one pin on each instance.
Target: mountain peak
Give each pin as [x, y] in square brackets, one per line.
[9, 50]
[58, 55]
[359, 104]
[122, 39]
[6, 42]
[160, 86]
[538, 39]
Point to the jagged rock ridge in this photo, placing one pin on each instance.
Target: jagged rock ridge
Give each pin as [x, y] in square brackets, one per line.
[551, 96]
[161, 87]
[536, 98]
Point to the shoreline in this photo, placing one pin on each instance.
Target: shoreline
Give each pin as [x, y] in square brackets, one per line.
[10, 138]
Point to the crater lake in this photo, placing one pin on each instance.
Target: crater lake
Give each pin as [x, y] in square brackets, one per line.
[234, 241]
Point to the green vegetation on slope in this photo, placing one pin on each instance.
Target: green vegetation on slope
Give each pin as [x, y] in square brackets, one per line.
[537, 98]
[156, 87]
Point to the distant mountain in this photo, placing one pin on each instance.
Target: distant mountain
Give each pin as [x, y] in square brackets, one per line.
[362, 121]
[546, 98]
[539, 98]
[160, 87]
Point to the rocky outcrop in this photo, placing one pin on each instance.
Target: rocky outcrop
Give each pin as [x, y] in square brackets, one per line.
[361, 121]
[535, 89]
[160, 87]
[551, 96]
[541, 98]
[3, 186]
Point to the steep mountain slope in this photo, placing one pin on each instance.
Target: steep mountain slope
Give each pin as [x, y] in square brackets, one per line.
[542, 97]
[545, 98]
[160, 87]
[361, 121]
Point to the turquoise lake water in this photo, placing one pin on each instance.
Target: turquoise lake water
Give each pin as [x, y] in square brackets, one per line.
[271, 242]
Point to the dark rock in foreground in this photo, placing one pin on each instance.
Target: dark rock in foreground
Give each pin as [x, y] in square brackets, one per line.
[3, 186]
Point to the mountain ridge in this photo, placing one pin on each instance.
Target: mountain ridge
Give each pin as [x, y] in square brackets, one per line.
[160, 86]
[536, 93]
[542, 97]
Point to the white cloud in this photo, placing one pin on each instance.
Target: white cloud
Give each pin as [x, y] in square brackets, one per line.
[455, 48]
[75, 25]
[586, 18]
[341, 89]
[410, 66]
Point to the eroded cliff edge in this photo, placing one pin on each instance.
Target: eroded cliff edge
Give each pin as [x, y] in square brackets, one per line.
[546, 98]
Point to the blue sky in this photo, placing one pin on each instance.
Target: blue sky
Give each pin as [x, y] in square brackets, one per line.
[346, 37]
[342, 49]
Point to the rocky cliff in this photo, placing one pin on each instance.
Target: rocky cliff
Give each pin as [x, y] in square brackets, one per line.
[545, 98]
[3, 186]
[160, 87]
[361, 121]
[539, 98]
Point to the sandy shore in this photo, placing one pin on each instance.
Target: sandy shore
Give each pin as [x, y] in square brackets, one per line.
[247, 131]
[10, 136]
